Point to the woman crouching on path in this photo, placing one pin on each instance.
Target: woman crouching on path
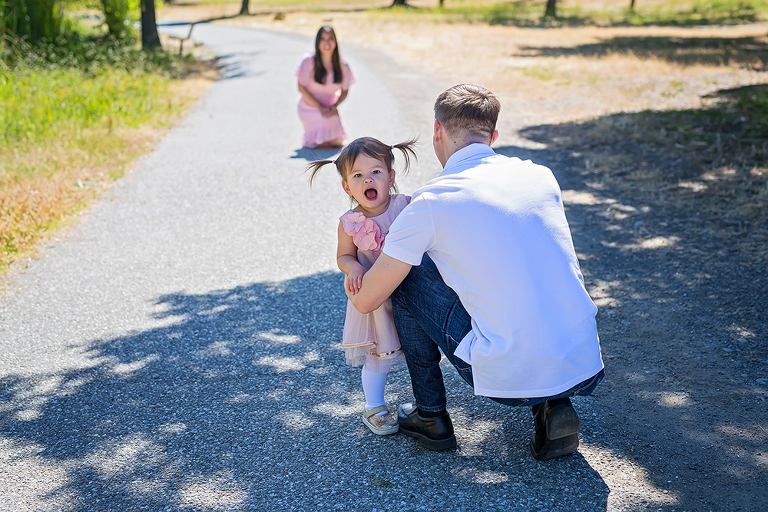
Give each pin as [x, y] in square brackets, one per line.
[324, 79]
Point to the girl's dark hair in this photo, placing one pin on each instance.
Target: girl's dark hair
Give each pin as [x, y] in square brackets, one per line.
[371, 147]
[335, 59]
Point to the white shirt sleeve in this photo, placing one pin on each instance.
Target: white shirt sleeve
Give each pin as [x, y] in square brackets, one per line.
[412, 233]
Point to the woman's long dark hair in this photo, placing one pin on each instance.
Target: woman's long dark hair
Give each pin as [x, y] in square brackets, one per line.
[335, 59]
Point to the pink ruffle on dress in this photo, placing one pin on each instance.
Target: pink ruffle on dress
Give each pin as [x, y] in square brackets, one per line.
[371, 340]
[319, 129]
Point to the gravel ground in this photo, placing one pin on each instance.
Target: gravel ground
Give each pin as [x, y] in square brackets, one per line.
[180, 350]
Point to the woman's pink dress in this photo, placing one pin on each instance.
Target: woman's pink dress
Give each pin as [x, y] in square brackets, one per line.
[319, 129]
[371, 340]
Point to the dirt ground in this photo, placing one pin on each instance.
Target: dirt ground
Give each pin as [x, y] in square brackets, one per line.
[677, 270]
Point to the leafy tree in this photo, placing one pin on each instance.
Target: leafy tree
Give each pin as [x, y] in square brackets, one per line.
[549, 11]
[149, 37]
[116, 16]
[244, 8]
[30, 19]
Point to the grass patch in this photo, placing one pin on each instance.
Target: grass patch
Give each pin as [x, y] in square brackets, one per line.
[73, 114]
[531, 12]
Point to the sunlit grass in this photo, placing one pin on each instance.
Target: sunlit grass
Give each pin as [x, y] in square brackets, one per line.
[526, 12]
[72, 116]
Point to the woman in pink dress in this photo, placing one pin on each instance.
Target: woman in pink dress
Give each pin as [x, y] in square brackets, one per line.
[324, 80]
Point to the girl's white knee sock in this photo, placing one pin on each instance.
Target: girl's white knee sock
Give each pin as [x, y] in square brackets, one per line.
[373, 387]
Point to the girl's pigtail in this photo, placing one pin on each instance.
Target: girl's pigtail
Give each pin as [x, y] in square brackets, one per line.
[407, 148]
[314, 167]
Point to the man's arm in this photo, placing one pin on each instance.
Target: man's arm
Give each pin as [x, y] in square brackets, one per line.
[379, 283]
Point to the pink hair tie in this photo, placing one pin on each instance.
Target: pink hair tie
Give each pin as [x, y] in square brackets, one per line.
[333, 161]
[392, 146]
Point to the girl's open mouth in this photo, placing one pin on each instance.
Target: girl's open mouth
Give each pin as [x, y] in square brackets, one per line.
[371, 194]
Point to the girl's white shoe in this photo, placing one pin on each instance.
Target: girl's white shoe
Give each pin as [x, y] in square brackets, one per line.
[380, 424]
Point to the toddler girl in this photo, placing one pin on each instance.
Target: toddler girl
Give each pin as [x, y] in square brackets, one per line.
[370, 340]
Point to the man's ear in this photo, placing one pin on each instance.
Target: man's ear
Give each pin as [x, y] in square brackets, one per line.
[438, 130]
[346, 187]
[494, 136]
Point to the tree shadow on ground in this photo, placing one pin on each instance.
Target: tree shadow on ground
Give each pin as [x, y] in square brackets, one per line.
[240, 399]
[674, 254]
[751, 52]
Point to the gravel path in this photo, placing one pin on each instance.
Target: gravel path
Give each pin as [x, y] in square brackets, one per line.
[180, 349]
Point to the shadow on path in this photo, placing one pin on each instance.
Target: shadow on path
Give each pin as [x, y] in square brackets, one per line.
[242, 400]
[711, 51]
[312, 154]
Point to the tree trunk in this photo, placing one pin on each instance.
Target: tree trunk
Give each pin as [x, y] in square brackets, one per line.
[244, 8]
[441, 3]
[149, 37]
[632, 5]
[399, 3]
[550, 11]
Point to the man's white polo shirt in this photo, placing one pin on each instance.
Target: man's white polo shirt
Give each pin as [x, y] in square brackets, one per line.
[496, 229]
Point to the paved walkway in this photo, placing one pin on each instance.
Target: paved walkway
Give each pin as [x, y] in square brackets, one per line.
[180, 349]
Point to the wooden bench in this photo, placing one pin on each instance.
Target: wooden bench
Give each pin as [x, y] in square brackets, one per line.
[182, 39]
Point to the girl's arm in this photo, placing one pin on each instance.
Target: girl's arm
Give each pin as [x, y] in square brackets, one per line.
[346, 259]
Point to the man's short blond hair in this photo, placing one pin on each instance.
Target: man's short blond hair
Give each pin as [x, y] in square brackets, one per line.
[468, 110]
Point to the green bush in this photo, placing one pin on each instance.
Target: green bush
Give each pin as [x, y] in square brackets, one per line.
[30, 19]
[118, 15]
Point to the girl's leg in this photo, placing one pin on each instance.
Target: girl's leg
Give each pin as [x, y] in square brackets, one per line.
[376, 417]
[373, 387]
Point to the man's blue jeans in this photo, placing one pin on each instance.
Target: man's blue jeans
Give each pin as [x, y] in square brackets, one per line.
[429, 318]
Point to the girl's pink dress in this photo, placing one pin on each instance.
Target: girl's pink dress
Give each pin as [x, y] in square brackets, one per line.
[371, 340]
[319, 129]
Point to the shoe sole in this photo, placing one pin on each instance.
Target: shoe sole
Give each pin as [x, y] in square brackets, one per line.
[562, 434]
[554, 448]
[432, 444]
[380, 431]
[562, 422]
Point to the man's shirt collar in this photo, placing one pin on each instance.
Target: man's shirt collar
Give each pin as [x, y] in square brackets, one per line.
[467, 155]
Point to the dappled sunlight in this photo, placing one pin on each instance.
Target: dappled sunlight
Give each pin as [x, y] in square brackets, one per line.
[213, 493]
[219, 348]
[482, 477]
[23, 473]
[126, 369]
[582, 197]
[277, 337]
[657, 242]
[172, 428]
[294, 420]
[475, 434]
[622, 473]
[339, 410]
[282, 364]
[129, 453]
[602, 293]
[744, 433]
[673, 399]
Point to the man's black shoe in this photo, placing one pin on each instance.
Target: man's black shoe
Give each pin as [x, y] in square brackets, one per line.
[557, 429]
[433, 433]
